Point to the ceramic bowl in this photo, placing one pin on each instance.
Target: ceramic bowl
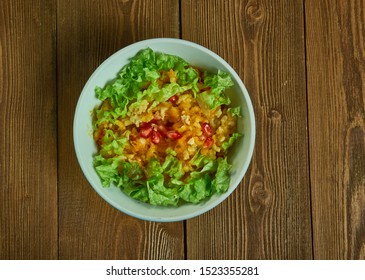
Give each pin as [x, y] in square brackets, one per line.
[239, 155]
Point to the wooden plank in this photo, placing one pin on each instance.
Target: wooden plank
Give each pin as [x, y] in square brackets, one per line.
[268, 216]
[89, 32]
[28, 130]
[336, 100]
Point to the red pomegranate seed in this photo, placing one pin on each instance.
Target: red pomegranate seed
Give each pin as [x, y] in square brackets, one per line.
[207, 129]
[173, 98]
[145, 130]
[172, 134]
[208, 142]
[162, 129]
[155, 137]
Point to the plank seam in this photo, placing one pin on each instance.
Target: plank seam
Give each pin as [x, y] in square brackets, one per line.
[308, 132]
[57, 132]
[180, 20]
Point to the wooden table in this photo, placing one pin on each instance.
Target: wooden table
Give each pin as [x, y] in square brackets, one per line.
[303, 62]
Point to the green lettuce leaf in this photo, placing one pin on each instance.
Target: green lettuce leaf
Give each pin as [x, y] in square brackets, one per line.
[204, 165]
[128, 176]
[168, 61]
[153, 168]
[212, 100]
[107, 170]
[172, 167]
[199, 160]
[218, 82]
[154, 93]
[188, 76]
[137, 191]
[141, 70]
[197, 189]
[117, 93]
[216, 96]
[235, 111]
[131, 181]
[114, 144]
[226, 145]
[221, 181]
[130, 172]
[108, 116]
[158, 194]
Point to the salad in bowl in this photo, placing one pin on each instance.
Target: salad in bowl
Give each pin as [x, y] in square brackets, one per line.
[163, 130]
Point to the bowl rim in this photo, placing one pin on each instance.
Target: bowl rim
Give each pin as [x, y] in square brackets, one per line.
[138, 46]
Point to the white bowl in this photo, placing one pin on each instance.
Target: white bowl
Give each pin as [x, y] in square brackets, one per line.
[239, 155]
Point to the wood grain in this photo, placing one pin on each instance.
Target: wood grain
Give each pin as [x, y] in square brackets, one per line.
[28, 131]
[89, 227]
[336, 98]
[303, 63]
[268, 216]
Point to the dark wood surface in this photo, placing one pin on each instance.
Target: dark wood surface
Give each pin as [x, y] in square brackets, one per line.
[336, 112]
[303, 63]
